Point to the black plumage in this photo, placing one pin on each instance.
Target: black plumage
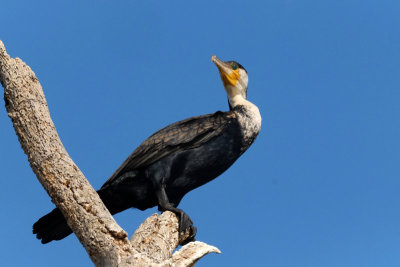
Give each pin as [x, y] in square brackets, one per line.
[166, 166]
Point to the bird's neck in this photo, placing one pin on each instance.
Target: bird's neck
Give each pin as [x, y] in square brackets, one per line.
[238, 100]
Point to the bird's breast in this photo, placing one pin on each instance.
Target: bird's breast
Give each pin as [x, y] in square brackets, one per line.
[249, 119]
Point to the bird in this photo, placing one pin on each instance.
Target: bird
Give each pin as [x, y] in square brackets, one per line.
[176, 159]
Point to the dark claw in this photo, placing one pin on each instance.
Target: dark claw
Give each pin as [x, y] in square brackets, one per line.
[186, 227]
[184, 221]
[191, 237]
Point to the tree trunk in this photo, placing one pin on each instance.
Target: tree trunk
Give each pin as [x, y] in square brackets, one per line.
[104, 240]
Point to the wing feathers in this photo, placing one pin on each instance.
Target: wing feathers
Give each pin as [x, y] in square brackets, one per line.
[185, 134]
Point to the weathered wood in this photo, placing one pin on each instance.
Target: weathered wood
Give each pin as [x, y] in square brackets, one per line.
[104, 240]
[86, 214]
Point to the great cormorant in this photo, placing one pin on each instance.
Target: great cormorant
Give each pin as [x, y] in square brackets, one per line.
[176, 159]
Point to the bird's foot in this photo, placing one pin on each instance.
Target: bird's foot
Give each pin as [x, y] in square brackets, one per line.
[187, 231]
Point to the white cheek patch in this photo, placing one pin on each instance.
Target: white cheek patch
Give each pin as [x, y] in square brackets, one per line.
[243, 81]
[243, 76]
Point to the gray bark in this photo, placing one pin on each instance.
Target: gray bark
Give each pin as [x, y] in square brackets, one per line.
[106, 243]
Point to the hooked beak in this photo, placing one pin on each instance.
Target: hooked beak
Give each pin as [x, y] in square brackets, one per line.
[228, 75]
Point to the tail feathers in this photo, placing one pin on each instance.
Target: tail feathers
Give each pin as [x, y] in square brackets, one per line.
[51, 227]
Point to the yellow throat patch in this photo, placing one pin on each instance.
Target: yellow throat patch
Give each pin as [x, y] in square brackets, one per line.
[231, 78]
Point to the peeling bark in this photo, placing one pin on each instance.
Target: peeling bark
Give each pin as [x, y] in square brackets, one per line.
[105, 241]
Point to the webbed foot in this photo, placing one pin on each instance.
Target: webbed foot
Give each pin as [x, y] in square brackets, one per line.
[187, 231]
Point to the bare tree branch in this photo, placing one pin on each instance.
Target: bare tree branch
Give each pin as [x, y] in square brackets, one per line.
[104, 240]
[64, 182]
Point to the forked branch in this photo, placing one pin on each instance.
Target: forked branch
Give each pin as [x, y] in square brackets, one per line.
[105, 241]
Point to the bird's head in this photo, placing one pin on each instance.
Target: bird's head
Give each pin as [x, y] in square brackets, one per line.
[235, 79]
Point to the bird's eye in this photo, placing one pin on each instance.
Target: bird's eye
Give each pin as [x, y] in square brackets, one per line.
[234, 67]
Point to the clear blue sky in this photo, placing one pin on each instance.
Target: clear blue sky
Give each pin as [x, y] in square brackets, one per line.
[319, 187]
